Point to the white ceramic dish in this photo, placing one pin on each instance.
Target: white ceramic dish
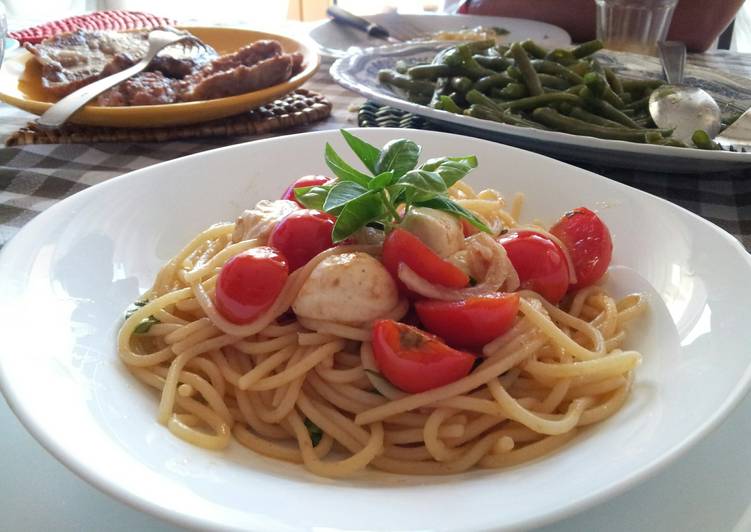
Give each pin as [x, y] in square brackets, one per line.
[358, 71]
[336, 39]
[67, 276]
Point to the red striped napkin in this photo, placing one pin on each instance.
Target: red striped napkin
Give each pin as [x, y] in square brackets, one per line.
[116, 20]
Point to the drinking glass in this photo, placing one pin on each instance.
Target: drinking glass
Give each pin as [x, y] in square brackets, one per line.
[634, 25]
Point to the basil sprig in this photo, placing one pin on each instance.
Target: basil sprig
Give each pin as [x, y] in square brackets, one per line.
[396, 183]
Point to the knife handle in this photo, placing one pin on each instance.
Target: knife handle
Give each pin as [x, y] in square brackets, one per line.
[344, 16]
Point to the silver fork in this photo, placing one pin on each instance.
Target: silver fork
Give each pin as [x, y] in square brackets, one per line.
[159, 39]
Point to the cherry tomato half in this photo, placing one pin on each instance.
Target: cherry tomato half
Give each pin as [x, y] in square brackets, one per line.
[414, 360]
[301, 235]
[540, 263]
[249, 283]
[305, 181]
[588, 241]
[470, 323]
[402, 246]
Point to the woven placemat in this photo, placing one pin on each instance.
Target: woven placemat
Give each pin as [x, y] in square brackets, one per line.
[298, 108]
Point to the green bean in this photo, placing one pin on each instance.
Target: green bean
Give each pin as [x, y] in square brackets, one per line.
[532, 102]
[575, 89]
[636, 105]
[603, 108]
[496, 63]
[534, 49]
[501, 49]
[461, 83]
[586, 116]
[631, 85]
[529, 74]
[452, 57]
[653, 137]
[487, 113]
[475, 97]
[552, 118]
[432, 72]
[564, 107]
[580, 68]
[553, 82]
[466, 64]
[587, 48]
[614, 82]
[514, 73]
[488, 82]
[513, 91]
[554, 69]
[701, 140]
[406, 83]
[479, 46]
[559, 55]
[600, 88]
[448, 104]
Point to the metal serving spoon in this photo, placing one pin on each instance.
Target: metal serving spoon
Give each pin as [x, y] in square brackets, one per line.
[680, 108]
[59, 113]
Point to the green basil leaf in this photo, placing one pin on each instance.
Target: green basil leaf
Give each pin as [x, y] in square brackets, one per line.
[340, 194]
[314, 431]
[357, 213]
[367, 153]
[399, 155]
[442, 203]
[381, 180]
[420, 185]
[451, 169]
[145, 325]
[313, 197]
[342, 170]
[134, 307]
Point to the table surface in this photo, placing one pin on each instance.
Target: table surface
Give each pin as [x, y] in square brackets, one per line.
[709, 488]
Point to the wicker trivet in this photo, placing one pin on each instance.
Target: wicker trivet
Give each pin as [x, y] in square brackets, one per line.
[298, 108]
[373, 114]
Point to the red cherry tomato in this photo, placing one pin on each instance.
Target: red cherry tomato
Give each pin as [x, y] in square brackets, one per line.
[470, 323]
[588, 241]
[414, 360]
[402, 246]
[249, 283]
[540, 263]
[305, 181]
[301, 235]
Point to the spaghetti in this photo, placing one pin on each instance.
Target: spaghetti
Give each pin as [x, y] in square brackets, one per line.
[280, 382]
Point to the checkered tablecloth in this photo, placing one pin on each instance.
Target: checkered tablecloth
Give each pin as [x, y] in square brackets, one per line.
[34, 177]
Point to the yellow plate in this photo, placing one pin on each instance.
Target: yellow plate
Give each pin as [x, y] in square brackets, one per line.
[20, 86]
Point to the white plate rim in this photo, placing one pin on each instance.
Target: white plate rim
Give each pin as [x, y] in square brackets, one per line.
[110, 487]
[491, 20]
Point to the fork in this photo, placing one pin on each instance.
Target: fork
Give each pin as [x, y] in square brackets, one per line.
[61, 111]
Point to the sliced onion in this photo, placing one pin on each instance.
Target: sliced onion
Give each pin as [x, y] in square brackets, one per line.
[550, 236]
[501, 272]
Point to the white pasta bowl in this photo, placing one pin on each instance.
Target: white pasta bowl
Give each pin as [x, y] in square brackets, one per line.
[69, 274]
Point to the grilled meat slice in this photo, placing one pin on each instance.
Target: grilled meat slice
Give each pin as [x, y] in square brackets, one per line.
[146, 88]
[240, 79]
[71, 60]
